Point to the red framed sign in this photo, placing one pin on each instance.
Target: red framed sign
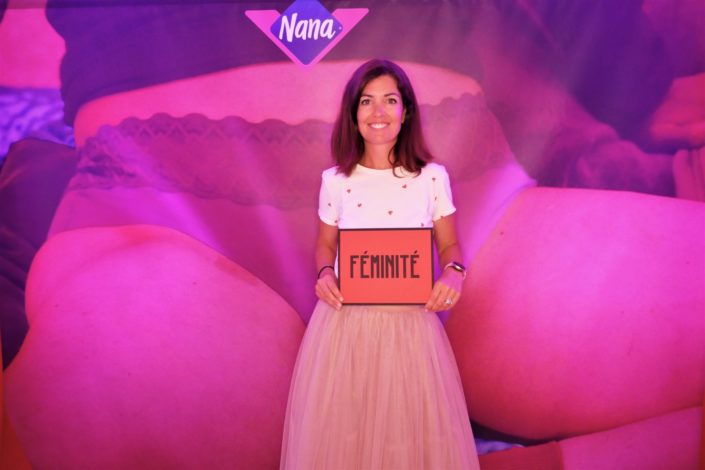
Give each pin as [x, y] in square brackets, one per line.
[385, 266]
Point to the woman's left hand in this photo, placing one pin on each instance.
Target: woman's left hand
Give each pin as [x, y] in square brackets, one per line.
[446, 291]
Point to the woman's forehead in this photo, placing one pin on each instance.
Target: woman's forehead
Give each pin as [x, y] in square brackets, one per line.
[382, 85]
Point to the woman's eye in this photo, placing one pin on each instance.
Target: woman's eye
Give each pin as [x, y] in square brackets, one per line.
[365, 101]
[392, 101]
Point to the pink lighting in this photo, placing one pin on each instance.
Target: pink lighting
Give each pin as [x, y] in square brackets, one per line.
[158, 211]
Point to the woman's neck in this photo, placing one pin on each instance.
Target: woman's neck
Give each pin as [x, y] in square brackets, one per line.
[378, 158]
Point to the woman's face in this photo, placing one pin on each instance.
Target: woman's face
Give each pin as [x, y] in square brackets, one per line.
[380, 112]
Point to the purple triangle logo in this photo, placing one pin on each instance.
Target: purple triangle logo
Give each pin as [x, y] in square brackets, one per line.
[306, 31]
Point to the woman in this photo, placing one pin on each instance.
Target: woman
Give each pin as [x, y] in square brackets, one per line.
[377, 386]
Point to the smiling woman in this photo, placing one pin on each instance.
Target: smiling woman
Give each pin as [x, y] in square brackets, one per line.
[380, 127]
[400, 405]
[380, 115]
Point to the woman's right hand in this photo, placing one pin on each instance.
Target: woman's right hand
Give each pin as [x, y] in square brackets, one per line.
[327, 289]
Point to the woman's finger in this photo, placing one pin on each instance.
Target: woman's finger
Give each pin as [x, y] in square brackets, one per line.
[335, 291]
[448, 298]
[439, 294]
[327, 290]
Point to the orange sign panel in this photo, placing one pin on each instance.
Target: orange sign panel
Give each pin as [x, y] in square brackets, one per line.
[385, 266]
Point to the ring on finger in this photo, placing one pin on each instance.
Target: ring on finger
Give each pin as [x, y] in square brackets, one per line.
[448, 301]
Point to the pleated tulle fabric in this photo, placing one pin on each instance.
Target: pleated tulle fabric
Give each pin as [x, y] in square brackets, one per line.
[376, 388]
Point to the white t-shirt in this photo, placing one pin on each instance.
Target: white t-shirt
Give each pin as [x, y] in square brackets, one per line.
[371, 198]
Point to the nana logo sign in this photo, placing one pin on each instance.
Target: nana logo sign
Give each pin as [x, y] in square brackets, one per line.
[306, 31]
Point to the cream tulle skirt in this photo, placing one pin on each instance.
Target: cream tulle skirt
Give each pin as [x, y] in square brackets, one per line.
[376, 388]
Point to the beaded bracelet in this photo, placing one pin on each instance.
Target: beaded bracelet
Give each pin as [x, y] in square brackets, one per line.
[321, 270]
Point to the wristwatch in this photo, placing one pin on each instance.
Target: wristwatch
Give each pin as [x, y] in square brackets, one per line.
[458, 267]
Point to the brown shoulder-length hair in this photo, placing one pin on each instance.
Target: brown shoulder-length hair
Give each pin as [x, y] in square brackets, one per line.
[347, 145]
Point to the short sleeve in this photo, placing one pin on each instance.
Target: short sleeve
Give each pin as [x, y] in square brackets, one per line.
[328, 204]
[442, 196]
